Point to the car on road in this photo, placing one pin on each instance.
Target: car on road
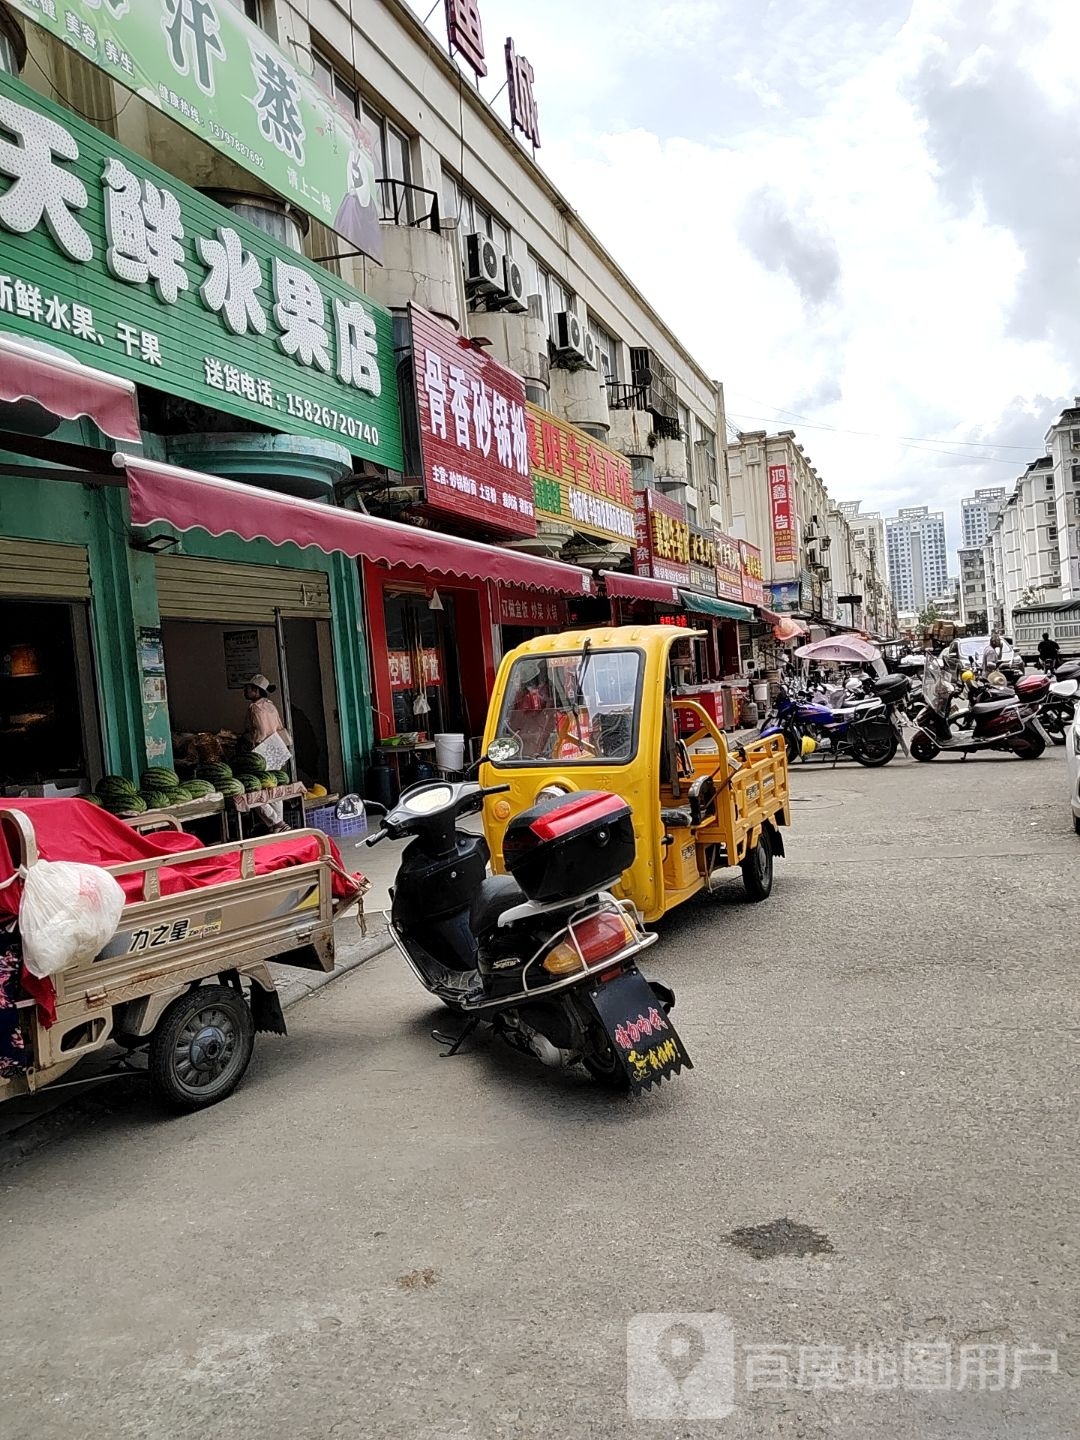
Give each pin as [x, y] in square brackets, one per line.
[1072, 759]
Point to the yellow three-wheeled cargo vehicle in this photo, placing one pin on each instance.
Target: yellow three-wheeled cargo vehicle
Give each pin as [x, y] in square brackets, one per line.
[594, 710]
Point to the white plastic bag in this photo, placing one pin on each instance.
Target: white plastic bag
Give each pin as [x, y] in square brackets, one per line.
[68, 913]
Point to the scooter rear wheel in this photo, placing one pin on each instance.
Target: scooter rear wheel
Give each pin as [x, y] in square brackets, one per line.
[874, 750]
[923, 748]
[603, 1064]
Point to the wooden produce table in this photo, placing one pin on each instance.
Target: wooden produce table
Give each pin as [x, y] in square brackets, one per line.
[175, 816]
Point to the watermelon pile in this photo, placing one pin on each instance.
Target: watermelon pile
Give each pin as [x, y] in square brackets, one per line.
[118, 795]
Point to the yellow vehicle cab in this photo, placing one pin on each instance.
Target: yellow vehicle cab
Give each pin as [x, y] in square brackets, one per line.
[594, 710]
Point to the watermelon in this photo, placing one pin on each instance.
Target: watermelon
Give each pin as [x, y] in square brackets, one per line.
[230, 787]
[283, 777]
[156, 799]
[91, 799]
[214, 771]
[254, 763]
[253, 784]
[115, 785]
[158, 778]
[198, 789]
[179, 795]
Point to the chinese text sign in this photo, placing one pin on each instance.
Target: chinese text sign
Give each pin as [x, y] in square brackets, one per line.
[662, 539]
[753, 574]
[728, 568]
[782, 503]
[132, 272]
[577, 481]
[205, 65]
[474, 437]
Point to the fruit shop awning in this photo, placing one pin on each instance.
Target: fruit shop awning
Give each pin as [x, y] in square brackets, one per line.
[620, 586]
[65, 388]
[710, 605]
[188, 500]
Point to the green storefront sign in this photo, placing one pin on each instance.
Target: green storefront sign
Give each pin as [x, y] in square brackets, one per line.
[133, 272]
[205, 65]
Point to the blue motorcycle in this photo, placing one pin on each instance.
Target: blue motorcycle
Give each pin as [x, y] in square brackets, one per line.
[867, 729]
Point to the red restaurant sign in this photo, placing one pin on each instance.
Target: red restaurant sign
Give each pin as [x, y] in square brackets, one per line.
[753, 574]
[662, 538]
[782, 501]
[728, 568]
[526, 607]
[465, 33]
[474, 436]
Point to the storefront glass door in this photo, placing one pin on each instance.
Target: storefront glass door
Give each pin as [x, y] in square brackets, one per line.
[425, 679]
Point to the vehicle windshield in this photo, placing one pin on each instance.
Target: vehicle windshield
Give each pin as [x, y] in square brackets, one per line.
[546, 717]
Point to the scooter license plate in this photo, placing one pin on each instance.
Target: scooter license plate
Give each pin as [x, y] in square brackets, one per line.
[647, 1044]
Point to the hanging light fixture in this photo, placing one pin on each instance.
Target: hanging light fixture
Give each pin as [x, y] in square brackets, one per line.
[435, 603]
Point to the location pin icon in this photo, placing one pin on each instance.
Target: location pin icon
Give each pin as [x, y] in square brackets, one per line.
[680, 1349]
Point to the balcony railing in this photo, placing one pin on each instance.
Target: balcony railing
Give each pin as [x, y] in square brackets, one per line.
[640, 396]
[410, 205]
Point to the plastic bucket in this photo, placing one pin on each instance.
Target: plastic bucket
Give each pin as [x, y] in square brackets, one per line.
[450, 752]
[761, 692]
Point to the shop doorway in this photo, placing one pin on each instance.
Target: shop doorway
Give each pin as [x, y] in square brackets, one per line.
[49, 729]
[425, 674]
[207, 664]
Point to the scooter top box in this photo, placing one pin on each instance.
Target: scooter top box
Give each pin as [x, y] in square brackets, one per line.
[569, 844]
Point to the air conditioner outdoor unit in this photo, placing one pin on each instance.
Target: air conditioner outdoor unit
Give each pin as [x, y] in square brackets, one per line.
[590, 350]
[514, 286]
[569, 335]
[483, 265]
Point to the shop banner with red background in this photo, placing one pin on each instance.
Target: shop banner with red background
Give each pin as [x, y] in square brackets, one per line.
[662, 538]
[782, 502]
[474, 434]
[753, 574]
[728, 567]
[403, 667]
[703, 559]
[527, 607]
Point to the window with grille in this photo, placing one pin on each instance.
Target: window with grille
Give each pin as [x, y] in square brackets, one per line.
[607, 350]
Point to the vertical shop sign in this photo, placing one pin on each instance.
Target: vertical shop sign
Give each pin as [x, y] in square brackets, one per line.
[728, 568]
[753, 574]
[702, 559]
[662, 538]
[782, 503]
[474, 437]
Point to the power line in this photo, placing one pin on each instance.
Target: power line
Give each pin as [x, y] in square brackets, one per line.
[927, 446]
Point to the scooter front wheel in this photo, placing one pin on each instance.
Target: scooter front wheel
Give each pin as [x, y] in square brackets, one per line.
[923, 748]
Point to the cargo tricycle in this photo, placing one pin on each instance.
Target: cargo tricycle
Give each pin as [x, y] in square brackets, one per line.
[186, 975]
[595, 710]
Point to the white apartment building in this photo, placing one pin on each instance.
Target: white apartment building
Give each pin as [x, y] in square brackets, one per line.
[916, 556]
[1063, 447]
[868, 532]
[1024, 565]
[978, 513]
[973, 590]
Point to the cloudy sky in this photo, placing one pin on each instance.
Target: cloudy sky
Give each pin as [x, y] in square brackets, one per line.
[861, 215]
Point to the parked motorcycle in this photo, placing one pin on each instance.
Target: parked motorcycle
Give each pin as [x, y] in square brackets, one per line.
[865, 724]
[545, 955]
[1057, 713]
[1004, 722]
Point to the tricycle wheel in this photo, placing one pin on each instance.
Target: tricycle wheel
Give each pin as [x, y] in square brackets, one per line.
[757, 870]
[201, 1047]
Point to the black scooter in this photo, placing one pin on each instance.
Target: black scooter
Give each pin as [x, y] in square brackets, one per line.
[545, 955]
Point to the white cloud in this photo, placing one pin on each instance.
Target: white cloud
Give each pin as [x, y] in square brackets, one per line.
[852, 214]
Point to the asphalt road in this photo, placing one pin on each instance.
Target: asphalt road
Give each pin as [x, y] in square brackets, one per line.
[368, 1240]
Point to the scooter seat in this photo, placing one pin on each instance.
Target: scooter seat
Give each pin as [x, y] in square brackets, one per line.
[993, 707]
[498, 893]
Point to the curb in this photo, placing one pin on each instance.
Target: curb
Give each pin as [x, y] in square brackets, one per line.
[293, 987]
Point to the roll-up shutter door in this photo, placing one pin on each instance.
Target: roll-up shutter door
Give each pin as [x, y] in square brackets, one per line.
[36, 570]
[216, 590]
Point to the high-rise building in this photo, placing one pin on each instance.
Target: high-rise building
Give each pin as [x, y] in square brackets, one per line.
[974, 607]
[978, 513]
[916, 556]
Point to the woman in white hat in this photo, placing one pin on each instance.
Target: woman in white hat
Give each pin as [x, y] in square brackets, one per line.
[264, 721]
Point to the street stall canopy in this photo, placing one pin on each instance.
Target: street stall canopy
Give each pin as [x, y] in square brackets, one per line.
[640, 587]
[66, 388]
[709, 605]
[188, 500]
[841, 650]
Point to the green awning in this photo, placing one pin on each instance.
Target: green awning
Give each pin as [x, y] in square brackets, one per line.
[710, 605]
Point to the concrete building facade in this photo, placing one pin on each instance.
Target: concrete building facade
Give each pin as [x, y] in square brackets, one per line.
[978, 513]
